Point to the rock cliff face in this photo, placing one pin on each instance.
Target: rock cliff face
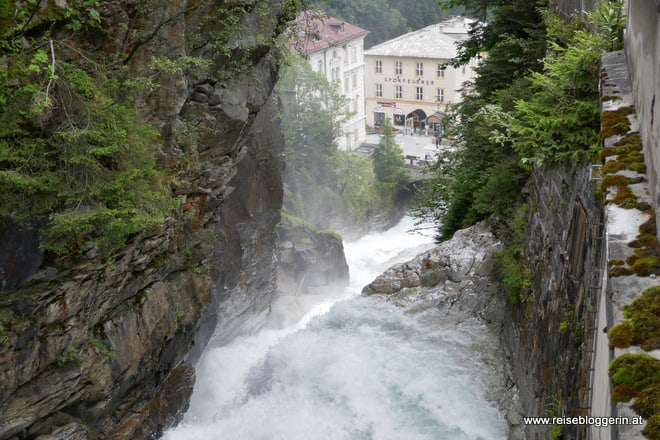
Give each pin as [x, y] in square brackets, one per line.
[94, 347]
[310, 260]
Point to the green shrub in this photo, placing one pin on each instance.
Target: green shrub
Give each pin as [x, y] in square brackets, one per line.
[647, 403]
[652, 428]
[389, 165]
[72, 144]
[636, 370]
[621, 335]
[512, 271]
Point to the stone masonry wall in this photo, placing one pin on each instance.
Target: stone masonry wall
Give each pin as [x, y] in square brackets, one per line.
[546, 336]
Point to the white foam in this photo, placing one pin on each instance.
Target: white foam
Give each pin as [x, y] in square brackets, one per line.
[358, 369]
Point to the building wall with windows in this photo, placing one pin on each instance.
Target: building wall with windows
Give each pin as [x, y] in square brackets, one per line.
[336, 49]
[408, 78]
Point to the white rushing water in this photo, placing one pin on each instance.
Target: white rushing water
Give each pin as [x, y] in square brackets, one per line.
[344, 367]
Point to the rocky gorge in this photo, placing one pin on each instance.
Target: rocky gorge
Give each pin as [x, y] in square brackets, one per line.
[104, 346]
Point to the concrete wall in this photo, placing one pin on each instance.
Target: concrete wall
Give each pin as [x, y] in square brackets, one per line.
[642, 45]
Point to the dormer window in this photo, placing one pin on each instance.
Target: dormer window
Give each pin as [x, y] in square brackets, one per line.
[338, 27]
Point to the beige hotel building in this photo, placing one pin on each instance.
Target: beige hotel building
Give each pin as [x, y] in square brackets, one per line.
[408, 80]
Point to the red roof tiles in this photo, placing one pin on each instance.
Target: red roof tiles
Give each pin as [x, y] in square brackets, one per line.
[312, 32]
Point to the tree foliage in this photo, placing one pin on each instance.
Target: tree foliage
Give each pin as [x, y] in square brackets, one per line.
[520, 111]
[73, 153]
[389, 165]
[320, 182]
[559, 123]
[386, 19]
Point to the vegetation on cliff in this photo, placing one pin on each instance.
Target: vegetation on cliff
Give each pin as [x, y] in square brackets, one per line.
[73, 153]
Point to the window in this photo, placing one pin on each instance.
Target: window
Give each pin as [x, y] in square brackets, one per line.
[398, 68]
[419, 70]
[355, 104]
[379, 90]
[346, 83]
[379, 66]
[441, 71]
[419, 93]
[398, 92]
[321, 66]
[354, 80]
[440, 95]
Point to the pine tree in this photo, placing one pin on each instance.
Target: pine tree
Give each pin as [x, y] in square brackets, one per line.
[389, 164]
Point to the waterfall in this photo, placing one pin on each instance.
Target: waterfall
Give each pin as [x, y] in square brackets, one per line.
[340, 366]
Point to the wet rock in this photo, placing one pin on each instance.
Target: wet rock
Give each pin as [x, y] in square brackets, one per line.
[72, 431]
[309, 259]
[465, 256]
[205, 88]
[199, 97]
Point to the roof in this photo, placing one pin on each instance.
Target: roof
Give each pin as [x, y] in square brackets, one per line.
[437, 41]
[457, 27]
[313, 32]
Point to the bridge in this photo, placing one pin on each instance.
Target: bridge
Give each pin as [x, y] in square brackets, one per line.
[418, 152]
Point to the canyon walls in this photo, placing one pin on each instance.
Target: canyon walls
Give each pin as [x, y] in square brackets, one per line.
[96, 346]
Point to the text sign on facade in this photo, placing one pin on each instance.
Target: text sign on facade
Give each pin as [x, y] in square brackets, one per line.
[409, 80]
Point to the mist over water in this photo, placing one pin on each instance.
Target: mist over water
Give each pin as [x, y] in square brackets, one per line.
[340, 366]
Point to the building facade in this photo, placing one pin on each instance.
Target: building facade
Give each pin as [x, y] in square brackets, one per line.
[335, 49]
[408, 79]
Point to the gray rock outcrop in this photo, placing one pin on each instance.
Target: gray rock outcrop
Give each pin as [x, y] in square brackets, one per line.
[309, 260]
[453, 265]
